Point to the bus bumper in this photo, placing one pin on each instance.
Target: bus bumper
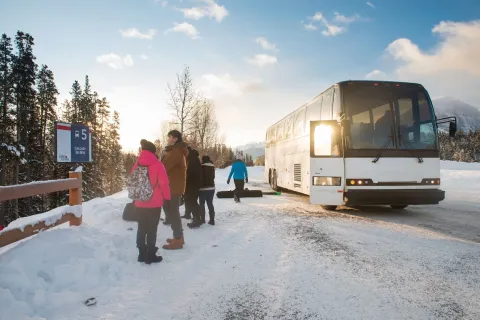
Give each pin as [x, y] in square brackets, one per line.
[393, 197]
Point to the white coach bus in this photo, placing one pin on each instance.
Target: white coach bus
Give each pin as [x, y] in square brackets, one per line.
[360, 143]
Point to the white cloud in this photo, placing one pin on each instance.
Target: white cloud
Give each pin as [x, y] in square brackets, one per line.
[265, 44]
[144, 57]
[333, 30]
[371, 5]
[458, 50]
[185, 28]
[310, 27]
[262, 60]
[135, 33]
[376, 75]
[225, 85]
[330, 29]
[115, 61]
[164, 3]
[211, 9]
[344, 19]
[452, 66]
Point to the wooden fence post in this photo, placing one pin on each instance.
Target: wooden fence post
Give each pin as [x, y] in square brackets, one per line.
[75, 197]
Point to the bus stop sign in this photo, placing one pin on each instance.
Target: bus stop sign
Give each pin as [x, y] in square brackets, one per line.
[73, 143]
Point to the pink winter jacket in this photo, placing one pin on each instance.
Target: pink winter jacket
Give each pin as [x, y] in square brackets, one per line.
[158, 179]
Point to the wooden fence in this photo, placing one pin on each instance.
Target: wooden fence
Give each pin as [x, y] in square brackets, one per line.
[73, 184]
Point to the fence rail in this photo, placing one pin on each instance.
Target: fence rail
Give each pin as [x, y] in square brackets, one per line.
[73, 184]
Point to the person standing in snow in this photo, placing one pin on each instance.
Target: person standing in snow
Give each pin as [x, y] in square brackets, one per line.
[194, 183]
[174, 160]
[207, 191]
[148, 212]
[240, 176]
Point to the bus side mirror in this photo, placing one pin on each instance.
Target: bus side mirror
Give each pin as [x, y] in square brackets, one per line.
[452, 129]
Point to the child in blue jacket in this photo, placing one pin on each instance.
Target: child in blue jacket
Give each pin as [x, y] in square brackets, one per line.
[240, 176]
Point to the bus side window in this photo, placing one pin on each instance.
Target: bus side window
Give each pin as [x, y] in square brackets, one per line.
[337, 107]
[280, 132]
[288, 127]
[327, 105]
[313, 113]
[299, 122]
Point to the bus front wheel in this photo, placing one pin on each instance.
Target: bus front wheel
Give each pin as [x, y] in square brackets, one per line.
[329, 208]
[398, 207]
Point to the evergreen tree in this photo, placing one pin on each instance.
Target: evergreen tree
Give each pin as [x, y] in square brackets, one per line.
[28, 111]
[24, 76]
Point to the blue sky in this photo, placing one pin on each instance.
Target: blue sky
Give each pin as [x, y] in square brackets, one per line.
[257, 59]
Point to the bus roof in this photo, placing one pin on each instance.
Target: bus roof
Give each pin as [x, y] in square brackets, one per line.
[377, 81]
[342, 83]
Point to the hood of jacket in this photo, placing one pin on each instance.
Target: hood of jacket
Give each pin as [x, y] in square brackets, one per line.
[147, 158]
[182, 146]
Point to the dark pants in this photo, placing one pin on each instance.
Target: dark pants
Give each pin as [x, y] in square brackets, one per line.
[207, 196]
[191, 203]
[172, 213]
[239, 186]
[148, 219]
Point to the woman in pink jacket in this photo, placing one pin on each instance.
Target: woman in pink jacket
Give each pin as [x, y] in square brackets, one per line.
[148, 212]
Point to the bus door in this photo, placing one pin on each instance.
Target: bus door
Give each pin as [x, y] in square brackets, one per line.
[327, 166]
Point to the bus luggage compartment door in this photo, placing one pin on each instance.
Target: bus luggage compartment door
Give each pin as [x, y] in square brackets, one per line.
[327, 168]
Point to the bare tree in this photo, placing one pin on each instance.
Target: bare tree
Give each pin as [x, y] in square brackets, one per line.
[205, 124]
[165, 127]
[183, 100]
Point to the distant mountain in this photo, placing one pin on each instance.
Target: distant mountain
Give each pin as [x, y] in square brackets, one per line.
[255, 149]
[468, 116]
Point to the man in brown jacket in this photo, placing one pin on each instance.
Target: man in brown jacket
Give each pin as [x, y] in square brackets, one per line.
[174, 160]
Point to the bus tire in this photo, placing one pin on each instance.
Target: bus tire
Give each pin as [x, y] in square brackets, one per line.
[274, 181]
[329, 208]
[398, 207]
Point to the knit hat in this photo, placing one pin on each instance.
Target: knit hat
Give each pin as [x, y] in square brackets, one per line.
[147, 145]
[239, 157]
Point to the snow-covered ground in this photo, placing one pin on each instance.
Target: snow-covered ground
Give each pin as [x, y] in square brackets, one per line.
[275, 257]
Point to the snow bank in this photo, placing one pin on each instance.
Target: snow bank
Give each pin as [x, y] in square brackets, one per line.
[38, 182]
[49, 218]
[454, 165]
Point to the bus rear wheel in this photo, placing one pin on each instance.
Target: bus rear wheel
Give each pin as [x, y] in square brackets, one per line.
[398, 207]
[329, 208]
[273, 180]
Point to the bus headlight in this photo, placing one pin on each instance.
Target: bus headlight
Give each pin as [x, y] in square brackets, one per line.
[431, 181]
[327, 181]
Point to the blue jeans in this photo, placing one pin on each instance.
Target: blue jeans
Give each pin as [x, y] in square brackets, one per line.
[207, 196]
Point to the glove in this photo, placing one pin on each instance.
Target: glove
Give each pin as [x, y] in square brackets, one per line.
[228, 181]
[246, 180]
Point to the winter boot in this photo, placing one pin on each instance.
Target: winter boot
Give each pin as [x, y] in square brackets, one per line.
[174, 244]
[236, 198]
[141, 254]
[151, 256]
[181, 240]
[195, 223]
[166, 222]
[202, 217]
[212, 218]
[187, 216]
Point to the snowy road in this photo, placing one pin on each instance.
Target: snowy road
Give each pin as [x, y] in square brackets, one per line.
[275, 257]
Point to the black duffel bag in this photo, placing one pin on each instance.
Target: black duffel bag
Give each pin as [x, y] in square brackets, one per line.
[129, 213]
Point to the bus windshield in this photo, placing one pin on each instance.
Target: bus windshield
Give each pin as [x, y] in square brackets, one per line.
[388, 116]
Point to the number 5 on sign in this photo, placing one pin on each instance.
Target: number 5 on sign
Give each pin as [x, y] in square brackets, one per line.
[84, 134]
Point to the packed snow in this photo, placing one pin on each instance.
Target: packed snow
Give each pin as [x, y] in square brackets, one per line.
[275, 257]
